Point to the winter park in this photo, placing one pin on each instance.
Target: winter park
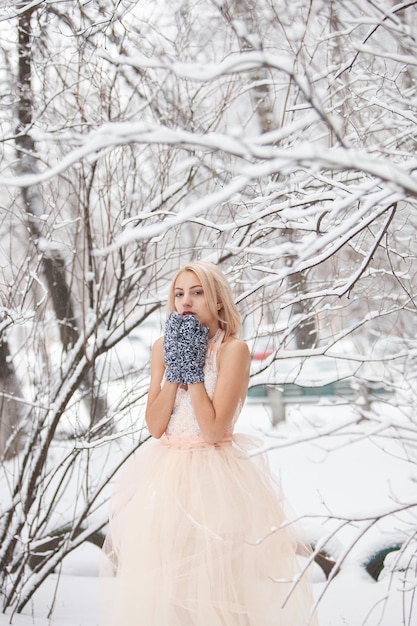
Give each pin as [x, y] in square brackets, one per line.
[274, 141]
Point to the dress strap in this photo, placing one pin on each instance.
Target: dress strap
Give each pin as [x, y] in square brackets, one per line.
[215, 342]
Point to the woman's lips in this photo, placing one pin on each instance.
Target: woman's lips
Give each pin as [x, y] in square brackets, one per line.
[188, 313]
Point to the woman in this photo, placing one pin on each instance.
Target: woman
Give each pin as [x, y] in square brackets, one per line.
[201, 539]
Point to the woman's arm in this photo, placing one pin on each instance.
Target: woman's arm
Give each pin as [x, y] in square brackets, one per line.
[214, 417]
[160, 399]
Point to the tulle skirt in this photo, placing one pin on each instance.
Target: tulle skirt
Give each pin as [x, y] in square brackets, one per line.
[198, 537]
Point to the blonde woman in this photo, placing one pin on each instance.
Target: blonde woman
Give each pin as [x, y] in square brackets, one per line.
[201, 539]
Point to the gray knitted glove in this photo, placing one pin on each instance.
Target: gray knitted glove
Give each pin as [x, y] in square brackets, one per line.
[193, 341]
[171, 356]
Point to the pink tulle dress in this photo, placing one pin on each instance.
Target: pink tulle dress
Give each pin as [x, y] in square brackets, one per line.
[197, 534]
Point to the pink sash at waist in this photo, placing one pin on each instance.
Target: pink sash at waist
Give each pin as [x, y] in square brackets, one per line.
[193, 441]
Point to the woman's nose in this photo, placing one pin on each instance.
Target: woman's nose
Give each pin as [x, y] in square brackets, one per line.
[186, 301]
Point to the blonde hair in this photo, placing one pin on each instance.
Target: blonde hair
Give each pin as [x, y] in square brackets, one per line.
[217, 290]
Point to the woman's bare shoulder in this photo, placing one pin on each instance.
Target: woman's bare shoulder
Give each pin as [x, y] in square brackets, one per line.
[158, 344]
[233, 347]
[158, 348]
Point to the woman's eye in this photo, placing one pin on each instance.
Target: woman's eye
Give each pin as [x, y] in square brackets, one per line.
[177, 295]
[198, 293]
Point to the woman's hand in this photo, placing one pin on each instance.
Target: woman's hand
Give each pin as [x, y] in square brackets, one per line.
[192, 349]
[171, 356]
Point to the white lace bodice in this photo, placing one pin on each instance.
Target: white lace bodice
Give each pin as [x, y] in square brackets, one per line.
[183, 421]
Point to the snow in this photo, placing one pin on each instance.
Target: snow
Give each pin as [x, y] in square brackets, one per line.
[329, 480]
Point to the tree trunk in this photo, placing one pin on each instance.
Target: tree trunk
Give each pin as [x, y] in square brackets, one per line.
[53, 263]
[305, 333]
[10, 407]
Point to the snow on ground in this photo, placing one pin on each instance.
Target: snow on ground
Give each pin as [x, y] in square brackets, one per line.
[340, 475]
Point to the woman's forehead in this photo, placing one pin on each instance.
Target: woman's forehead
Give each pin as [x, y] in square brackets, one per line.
[187, 279]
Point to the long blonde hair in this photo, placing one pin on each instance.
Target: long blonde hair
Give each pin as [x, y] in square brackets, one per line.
[217, 290]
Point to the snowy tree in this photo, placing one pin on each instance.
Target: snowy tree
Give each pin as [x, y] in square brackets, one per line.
[276, 139]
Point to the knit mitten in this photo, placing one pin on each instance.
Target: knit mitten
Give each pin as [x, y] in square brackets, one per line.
[193, 341]
[171, 356]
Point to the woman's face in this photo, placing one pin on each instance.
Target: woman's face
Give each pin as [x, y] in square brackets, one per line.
[190, 299]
